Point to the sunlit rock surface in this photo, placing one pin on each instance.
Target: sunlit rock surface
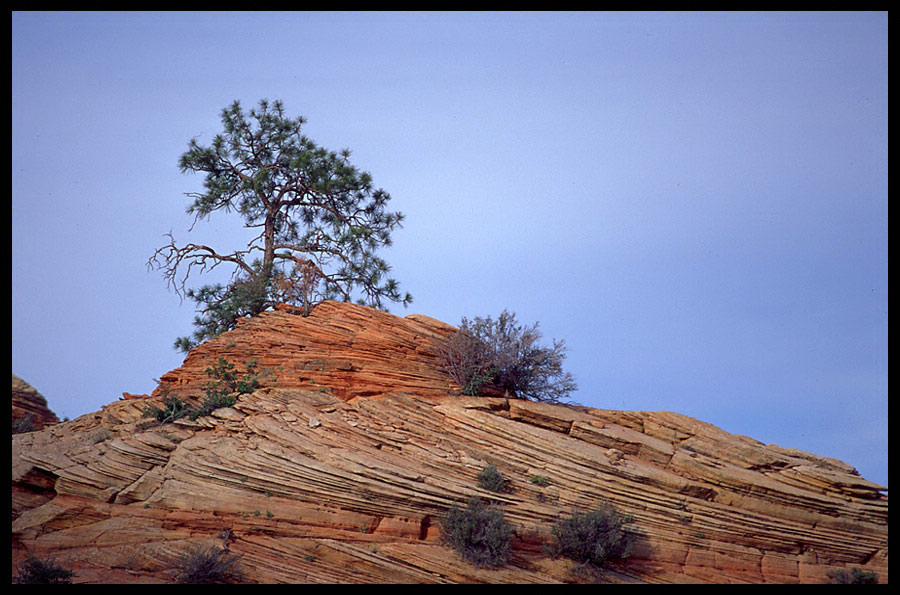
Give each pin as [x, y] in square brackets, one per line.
[338, 469]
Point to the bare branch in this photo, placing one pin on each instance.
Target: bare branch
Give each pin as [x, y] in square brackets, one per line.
[191, 257]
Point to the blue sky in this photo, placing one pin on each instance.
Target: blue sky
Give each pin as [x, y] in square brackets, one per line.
[695, 202]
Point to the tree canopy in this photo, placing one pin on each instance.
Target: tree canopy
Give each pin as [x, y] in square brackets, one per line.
[320, 222]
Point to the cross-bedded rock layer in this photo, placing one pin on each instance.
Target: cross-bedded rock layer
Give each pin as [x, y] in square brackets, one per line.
[339, 468]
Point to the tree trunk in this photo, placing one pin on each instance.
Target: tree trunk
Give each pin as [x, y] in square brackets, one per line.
[269, 239]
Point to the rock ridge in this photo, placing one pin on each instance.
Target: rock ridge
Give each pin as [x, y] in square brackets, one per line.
[339, 472]
[353, 351]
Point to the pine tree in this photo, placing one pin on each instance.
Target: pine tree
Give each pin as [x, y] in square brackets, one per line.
[320, 223]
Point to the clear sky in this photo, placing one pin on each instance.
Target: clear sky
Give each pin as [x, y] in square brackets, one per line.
[695, 202]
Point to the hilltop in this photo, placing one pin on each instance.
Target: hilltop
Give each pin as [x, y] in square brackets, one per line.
[338, 461]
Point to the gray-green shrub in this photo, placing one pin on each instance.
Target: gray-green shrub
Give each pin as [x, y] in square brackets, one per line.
[479, 533]
[593, 537]
[852, 576]
[491, 479]
[506, 356]
[207, 566]
[35, 571]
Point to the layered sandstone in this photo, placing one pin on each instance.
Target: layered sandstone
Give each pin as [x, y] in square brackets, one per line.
[29, 407]
[339, 468]
[352, 351]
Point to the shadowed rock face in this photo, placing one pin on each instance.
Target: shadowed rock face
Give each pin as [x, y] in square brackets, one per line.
[339, 468]
[29, 407]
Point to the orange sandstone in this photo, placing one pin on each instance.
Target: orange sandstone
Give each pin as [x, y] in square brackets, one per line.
[339, 468]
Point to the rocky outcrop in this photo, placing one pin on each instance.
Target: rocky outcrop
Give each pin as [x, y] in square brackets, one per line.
[351, 351]
[339, 468]
[29, 408]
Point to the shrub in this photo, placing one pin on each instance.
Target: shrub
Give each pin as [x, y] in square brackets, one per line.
[207, 566]
[593, 537]
[219, 393]
[226, 380]
[491, 479]
[24, 424]
[42, 572]
[505, 355]
[211, 403]
[174, 408]
[853, 576]
[467, 360]
[479, 533]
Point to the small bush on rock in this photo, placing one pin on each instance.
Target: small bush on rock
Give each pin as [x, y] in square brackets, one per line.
[42, 572]
[852, 576]
[219, 393]
[506, 356]
[593, 537]
[491, 479]
[24, 424]
[207, 566]
[174, 408]
[479, 533]
[225, 380]
[210, 404]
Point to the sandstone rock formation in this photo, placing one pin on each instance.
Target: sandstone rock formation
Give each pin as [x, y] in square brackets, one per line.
[352, 351]
[29, 407]
[338, 469]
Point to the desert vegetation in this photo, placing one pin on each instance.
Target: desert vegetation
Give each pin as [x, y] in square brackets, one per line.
[500, 355]
[479, 533]
[37, 571]
[593, 538]
[491, 479]
[220, 391]
[852, 576]
[173, 408]
[24, 424]
[207, 566]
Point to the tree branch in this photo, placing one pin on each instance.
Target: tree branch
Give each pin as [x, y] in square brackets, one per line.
[170, 258]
